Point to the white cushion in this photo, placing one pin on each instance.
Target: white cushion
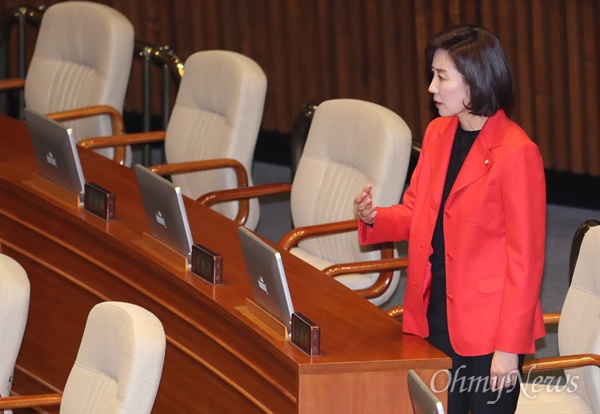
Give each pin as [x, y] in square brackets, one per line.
[579, 325]
[350, 143]
[353, 281]
[14, 307]
[548, 399]
[578, 333]
[119, 363]
[82, 57]
[217, 114]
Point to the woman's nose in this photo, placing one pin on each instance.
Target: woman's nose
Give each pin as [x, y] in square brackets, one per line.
[432, 87]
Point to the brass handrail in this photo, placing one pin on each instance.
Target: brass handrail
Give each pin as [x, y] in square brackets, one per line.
[172, 69]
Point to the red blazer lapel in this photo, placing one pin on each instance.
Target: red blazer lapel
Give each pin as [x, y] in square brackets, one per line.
[480, 158]
[441, 149]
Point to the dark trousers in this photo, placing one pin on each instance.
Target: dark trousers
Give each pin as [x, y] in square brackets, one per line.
[469, 388]
[469, 382]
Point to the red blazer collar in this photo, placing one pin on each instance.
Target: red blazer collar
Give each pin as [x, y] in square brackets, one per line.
[479, 160]
[491, 135]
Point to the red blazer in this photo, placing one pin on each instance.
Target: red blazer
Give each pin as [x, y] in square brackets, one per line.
[494, 232]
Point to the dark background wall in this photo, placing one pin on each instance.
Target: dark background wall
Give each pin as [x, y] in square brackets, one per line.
[373, 50]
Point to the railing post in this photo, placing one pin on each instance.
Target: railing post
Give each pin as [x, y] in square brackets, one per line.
[21, 65]
[21, 16]
[147, 104]
[5, 29]
[166, 97]
[166, 102]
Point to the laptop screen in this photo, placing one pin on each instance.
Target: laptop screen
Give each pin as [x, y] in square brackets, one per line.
[267, 277]
[423, 399]
[165, 211]
[55, 152]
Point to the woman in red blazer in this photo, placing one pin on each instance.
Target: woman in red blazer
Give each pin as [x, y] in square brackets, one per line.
[475, 217]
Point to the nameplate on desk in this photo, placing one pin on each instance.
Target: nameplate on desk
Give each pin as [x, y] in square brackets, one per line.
[207, 264]
[306, 334]
[163, 252]
[53, 191]
[99, 201]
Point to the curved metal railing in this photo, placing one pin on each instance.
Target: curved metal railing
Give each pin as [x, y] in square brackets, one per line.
[172, 67]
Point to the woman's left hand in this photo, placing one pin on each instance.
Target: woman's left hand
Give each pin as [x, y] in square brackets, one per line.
[504, 370]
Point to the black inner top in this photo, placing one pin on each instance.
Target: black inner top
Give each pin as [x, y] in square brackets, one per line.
[436, 313]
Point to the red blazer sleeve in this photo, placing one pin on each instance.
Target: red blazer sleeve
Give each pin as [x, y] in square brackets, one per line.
[393, 223]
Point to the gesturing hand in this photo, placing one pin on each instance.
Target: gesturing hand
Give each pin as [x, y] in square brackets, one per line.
[363, 205]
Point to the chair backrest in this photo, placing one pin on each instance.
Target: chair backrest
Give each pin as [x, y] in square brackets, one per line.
[576, 244]
[579, 325]
[350, 143]
[82, 57]
[119, 363]
[217, 114]
[14, 307]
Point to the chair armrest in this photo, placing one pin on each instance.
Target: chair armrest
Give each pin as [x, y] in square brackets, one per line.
[551, 318]
[366, 267]
[293, 237]
[118, 126]
[396, 312]
[13, 83]
[116, 121]
[203, 165]
[561, 362]
[386, 266]
[120, 141]
[213, 197]
[28, 401]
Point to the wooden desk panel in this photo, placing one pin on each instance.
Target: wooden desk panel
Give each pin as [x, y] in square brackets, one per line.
[216, 360]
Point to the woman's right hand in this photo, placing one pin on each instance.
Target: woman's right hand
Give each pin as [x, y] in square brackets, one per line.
[363, 206]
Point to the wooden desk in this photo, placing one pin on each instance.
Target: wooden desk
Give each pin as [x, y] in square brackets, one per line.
[216, 360]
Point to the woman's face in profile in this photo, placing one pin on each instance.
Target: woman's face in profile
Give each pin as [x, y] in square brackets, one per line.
[450, 93]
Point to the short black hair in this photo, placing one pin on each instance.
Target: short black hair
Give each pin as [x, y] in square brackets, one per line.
[481, 60]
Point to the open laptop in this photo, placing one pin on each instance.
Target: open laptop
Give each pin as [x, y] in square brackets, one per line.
[165, 211]
[55, 152]
[267, 277]
[423, 399]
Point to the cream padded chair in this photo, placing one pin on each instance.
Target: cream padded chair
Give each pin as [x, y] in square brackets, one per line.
[14, 307]
[213, 128]
[122, 354]
[350, 143]
[218, 114]
[80, 68]
[118, 367]
[578, 343]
